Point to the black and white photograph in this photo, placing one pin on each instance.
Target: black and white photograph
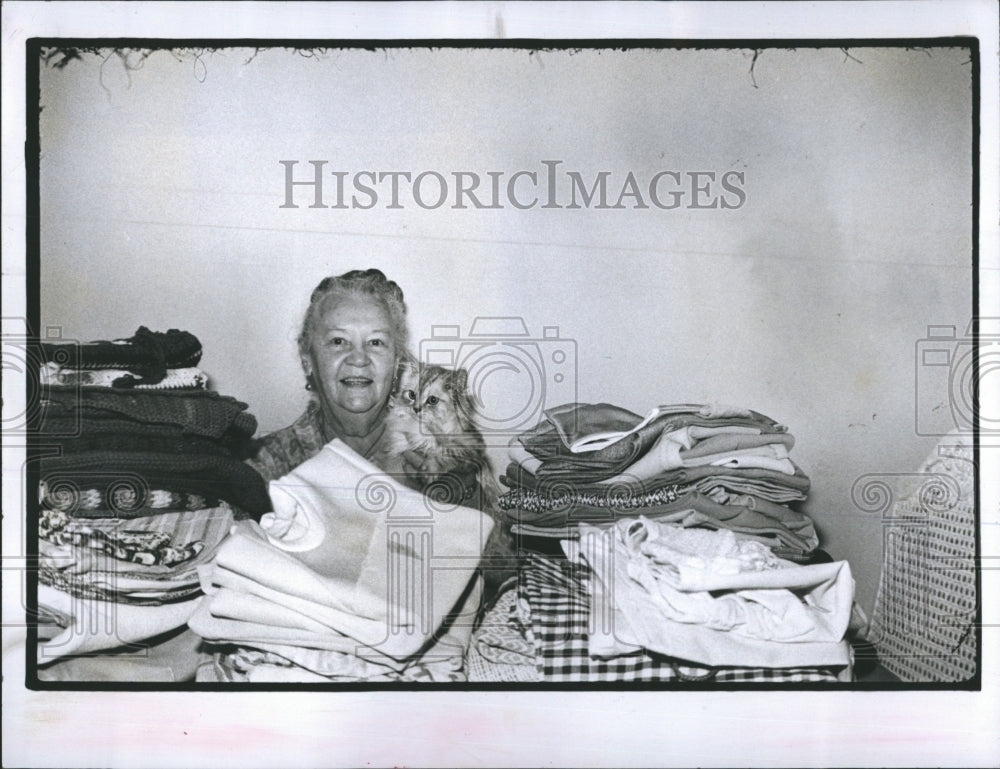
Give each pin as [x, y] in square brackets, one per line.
[476, 384]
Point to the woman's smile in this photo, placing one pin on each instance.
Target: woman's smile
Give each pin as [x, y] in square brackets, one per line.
[352, 359]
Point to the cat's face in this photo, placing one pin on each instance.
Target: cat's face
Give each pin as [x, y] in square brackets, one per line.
[436, 395]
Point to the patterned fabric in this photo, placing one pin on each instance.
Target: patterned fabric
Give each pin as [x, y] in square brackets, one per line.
[175, 379]
[247, 665]
[147, 353]
[73, 585]
[479, 669]
[93, 502]
[556, 591]
[528, 501]
[132, 475]
[502, 637]
[210, 526]
[277, 454]
[94, 572]
[150, 548]
[925, 623]
[794, 530]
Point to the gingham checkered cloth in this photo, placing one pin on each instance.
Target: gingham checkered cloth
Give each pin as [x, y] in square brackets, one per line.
[557, 592]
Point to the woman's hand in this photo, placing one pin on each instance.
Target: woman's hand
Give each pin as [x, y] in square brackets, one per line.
[452, 486]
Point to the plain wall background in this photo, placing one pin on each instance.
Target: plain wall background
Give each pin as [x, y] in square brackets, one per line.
[161, 190]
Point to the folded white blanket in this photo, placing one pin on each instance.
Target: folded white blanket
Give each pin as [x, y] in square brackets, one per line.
[349, 548]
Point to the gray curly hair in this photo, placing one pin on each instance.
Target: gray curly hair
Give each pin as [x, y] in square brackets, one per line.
[370, 284]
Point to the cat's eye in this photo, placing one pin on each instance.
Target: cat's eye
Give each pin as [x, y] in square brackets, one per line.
[433, 400]
[409, 396]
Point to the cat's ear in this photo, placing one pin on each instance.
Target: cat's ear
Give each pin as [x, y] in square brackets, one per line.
[459, 380]
[405, 366]
[407, 360]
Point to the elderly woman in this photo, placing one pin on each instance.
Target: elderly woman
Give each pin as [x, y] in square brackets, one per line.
[352, 340]
[353, 337]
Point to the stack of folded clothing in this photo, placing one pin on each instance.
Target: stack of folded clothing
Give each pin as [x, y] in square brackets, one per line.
[141, 477]
[562, 621]
[119, 588]
[711, 597]
[134, 435]
[695, 465]
[353, 577]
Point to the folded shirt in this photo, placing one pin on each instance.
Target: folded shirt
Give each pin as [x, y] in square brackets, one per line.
[665, 455]
[589, 428]
[517, 476]
[609, 462]
[723, 488]
[692, 559]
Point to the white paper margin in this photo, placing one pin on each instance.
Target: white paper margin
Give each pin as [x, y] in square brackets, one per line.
[490, 728]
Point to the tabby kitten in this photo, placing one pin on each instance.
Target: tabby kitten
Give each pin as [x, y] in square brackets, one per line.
[433, 412]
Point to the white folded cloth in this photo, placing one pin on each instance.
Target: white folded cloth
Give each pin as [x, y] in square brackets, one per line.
[98, 625]
[347, 548]
[726, 605]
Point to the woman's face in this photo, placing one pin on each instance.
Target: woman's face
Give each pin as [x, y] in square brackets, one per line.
[352, 355]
